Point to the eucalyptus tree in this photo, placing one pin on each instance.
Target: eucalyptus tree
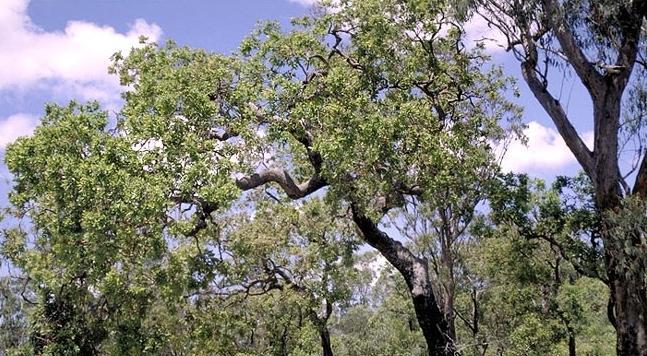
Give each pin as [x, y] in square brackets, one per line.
[382, 324]
[365, 103]
[13, 313]
[603, 43]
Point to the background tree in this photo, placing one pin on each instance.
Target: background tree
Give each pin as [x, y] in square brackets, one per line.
[438, 230]
[388, 312]
[14, 332]
[542, 263]
[306, 251]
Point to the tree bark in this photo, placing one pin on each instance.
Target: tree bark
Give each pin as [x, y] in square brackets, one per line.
[416, 275]
[630, 312]
[572, 351]
[449, 285]
[448, 310]
[629, 300]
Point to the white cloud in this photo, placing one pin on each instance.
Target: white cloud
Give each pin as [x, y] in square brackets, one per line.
[72, 63]
[73, 60]
[546, 150]
[15, 126]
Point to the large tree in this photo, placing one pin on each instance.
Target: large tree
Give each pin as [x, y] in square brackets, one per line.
[603, 43]
[541, 259]
[372, 100]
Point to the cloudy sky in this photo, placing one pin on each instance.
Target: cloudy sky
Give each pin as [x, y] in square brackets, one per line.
[56, 50]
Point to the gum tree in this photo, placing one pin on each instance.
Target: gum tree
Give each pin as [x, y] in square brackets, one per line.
[603, 44]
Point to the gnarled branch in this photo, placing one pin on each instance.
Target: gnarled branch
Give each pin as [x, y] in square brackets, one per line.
[284, 180]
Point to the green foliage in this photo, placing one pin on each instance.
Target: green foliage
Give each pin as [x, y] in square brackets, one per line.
[629, 231]
[384, 324]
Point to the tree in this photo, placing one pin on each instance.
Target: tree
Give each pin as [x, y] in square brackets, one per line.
[79, 241]
[370, 101]
[13, 313]
[305, 250]
[438, 230]
[603, 42]
[384, 321]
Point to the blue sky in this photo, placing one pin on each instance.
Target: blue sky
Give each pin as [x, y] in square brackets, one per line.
[56, 50]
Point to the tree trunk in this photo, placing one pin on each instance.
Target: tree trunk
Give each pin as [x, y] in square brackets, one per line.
[571, 344]
[628, 293]
[448, 310]
[629, 300]
[415, 272]
[625, 271]
[572, 350]
[628, 304]
[448, 236]
[630, 314]
[430, 318]
[325, 342]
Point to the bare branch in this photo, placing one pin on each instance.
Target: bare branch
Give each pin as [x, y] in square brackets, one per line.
[556, 112]
[284, 180]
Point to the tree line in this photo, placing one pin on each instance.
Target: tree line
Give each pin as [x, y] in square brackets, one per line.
[334, 187]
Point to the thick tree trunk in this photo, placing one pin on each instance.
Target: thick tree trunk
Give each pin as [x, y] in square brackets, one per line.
[415, 272]
[625, 271]
[628, 294]
[430, 318]
[629, 301]
[630, 309]
[628, 304]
